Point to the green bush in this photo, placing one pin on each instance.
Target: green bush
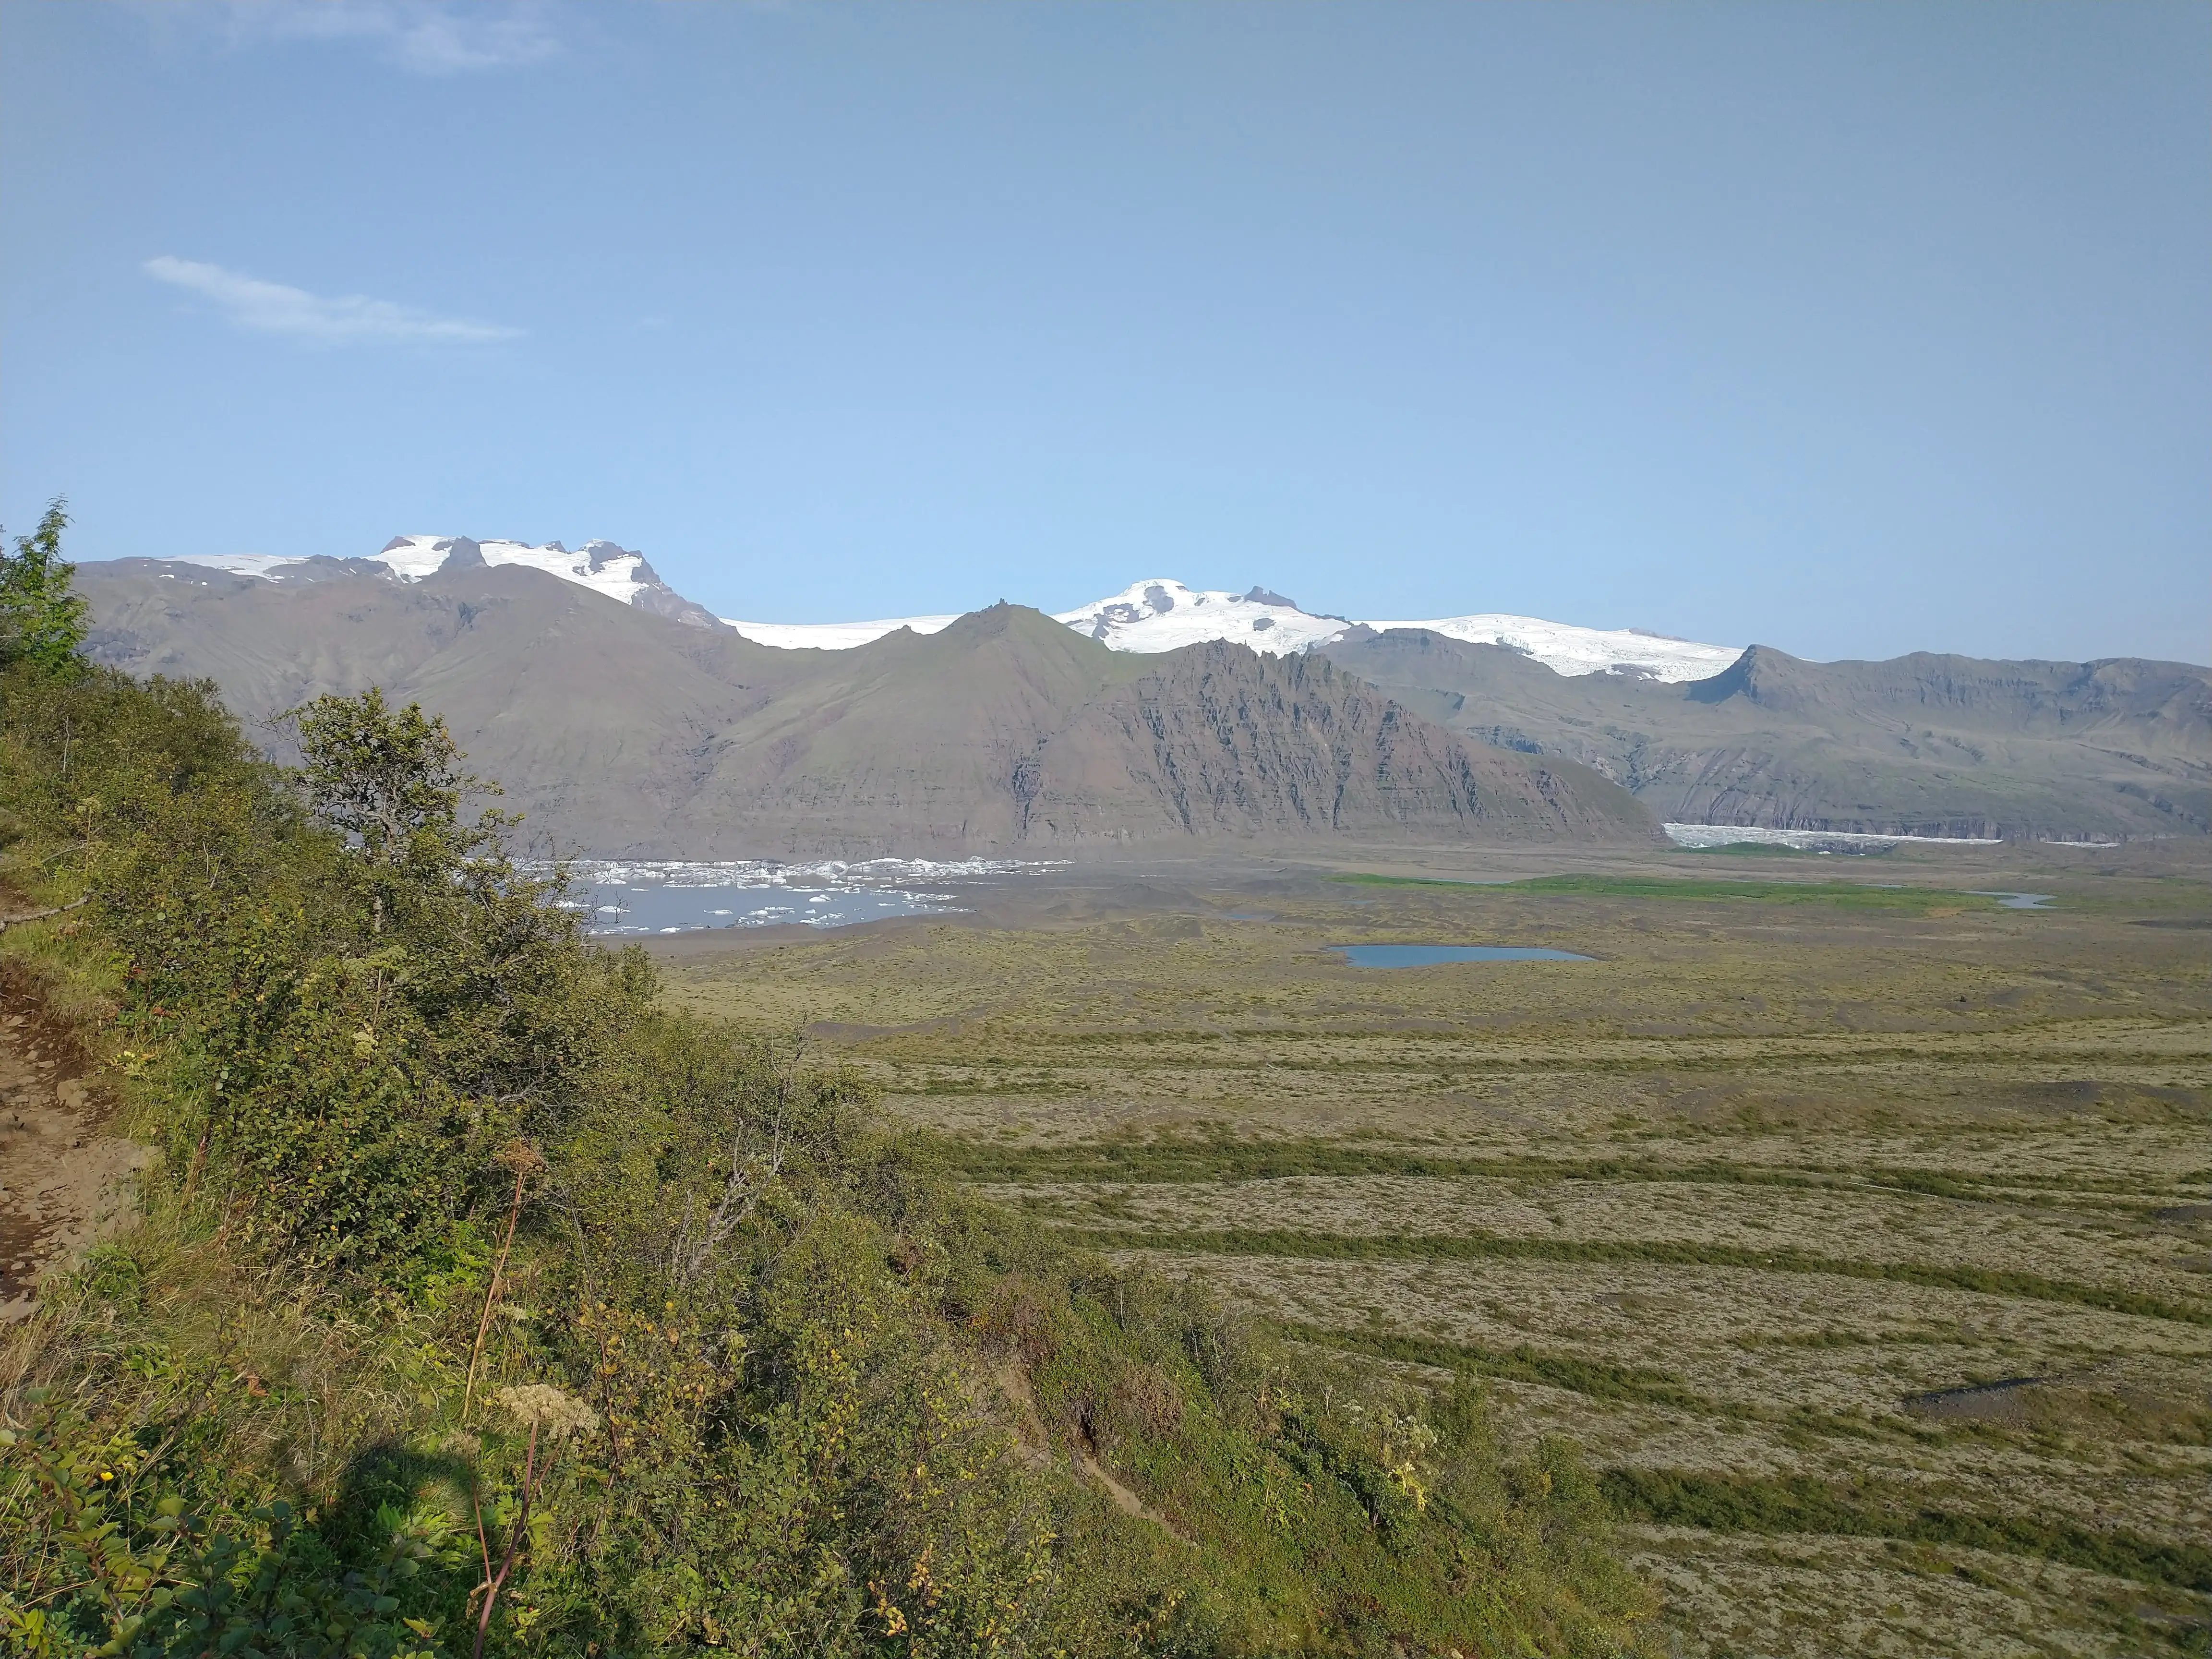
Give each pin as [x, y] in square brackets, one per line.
[42, 623]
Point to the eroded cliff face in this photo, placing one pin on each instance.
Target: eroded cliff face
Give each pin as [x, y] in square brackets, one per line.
[617, 731]
[1217, 741]
[1924, 745]
[1006, 732]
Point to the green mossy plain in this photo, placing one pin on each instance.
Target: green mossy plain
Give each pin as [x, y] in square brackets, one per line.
[1724, 1205]
[1848, 894]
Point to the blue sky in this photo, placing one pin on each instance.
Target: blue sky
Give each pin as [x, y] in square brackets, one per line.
[1849, 329]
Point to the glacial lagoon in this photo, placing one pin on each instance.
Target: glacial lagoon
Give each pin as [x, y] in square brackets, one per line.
[649, 896]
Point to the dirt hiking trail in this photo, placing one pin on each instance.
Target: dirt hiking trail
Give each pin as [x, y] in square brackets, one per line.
[64, 1184]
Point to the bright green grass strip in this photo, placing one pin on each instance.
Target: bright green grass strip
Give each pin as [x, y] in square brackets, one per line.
[1847, 894]
[1758, 1503]
[1417, 881]
[1850, 895]
[1481, 1246]
[1521, 1363]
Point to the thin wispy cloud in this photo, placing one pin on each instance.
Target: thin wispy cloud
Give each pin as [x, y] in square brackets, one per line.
[276, 308]
[422, 35]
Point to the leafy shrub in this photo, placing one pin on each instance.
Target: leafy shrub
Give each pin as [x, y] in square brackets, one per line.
[42, 623]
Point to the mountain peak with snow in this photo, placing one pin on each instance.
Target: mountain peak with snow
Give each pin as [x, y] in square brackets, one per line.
[1164, 615]
[1154, 615]
[607, 567]
[1632, 653]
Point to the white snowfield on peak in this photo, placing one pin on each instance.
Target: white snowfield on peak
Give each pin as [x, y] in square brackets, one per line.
[600, 566]
[1164, 615]
[1153, 615]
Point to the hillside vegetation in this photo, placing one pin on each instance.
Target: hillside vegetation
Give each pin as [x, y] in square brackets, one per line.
[480, 1302]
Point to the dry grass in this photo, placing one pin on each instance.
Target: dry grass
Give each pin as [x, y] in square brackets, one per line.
[1874, 1226]
[2024, 1096]
[1740, 1595]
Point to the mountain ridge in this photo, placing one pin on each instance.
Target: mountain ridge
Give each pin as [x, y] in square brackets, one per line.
[1149, 616]
[624, 733]
[1926, 743]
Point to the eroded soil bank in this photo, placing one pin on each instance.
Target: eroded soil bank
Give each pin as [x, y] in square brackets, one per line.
[64, 1183]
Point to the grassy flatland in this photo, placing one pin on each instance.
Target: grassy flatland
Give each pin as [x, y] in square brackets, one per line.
[1903, 899]
[1287, 1243]
[1858, 1233]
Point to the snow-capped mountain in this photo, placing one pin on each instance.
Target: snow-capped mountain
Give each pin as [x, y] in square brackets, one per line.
[1161, 615]
[602, 567]
[1164, 615]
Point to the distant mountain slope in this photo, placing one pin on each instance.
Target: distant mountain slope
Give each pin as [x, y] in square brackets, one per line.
[620, 732]
[624, 734]
[586, 709]
[1005, 729]
[1922, 744]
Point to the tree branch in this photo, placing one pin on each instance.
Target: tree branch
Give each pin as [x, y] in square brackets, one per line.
[7, 922]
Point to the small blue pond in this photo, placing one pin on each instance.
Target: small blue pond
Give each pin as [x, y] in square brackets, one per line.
[1425, 956]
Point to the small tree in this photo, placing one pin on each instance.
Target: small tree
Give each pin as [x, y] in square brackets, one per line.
[42, 623]
[391, 781]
